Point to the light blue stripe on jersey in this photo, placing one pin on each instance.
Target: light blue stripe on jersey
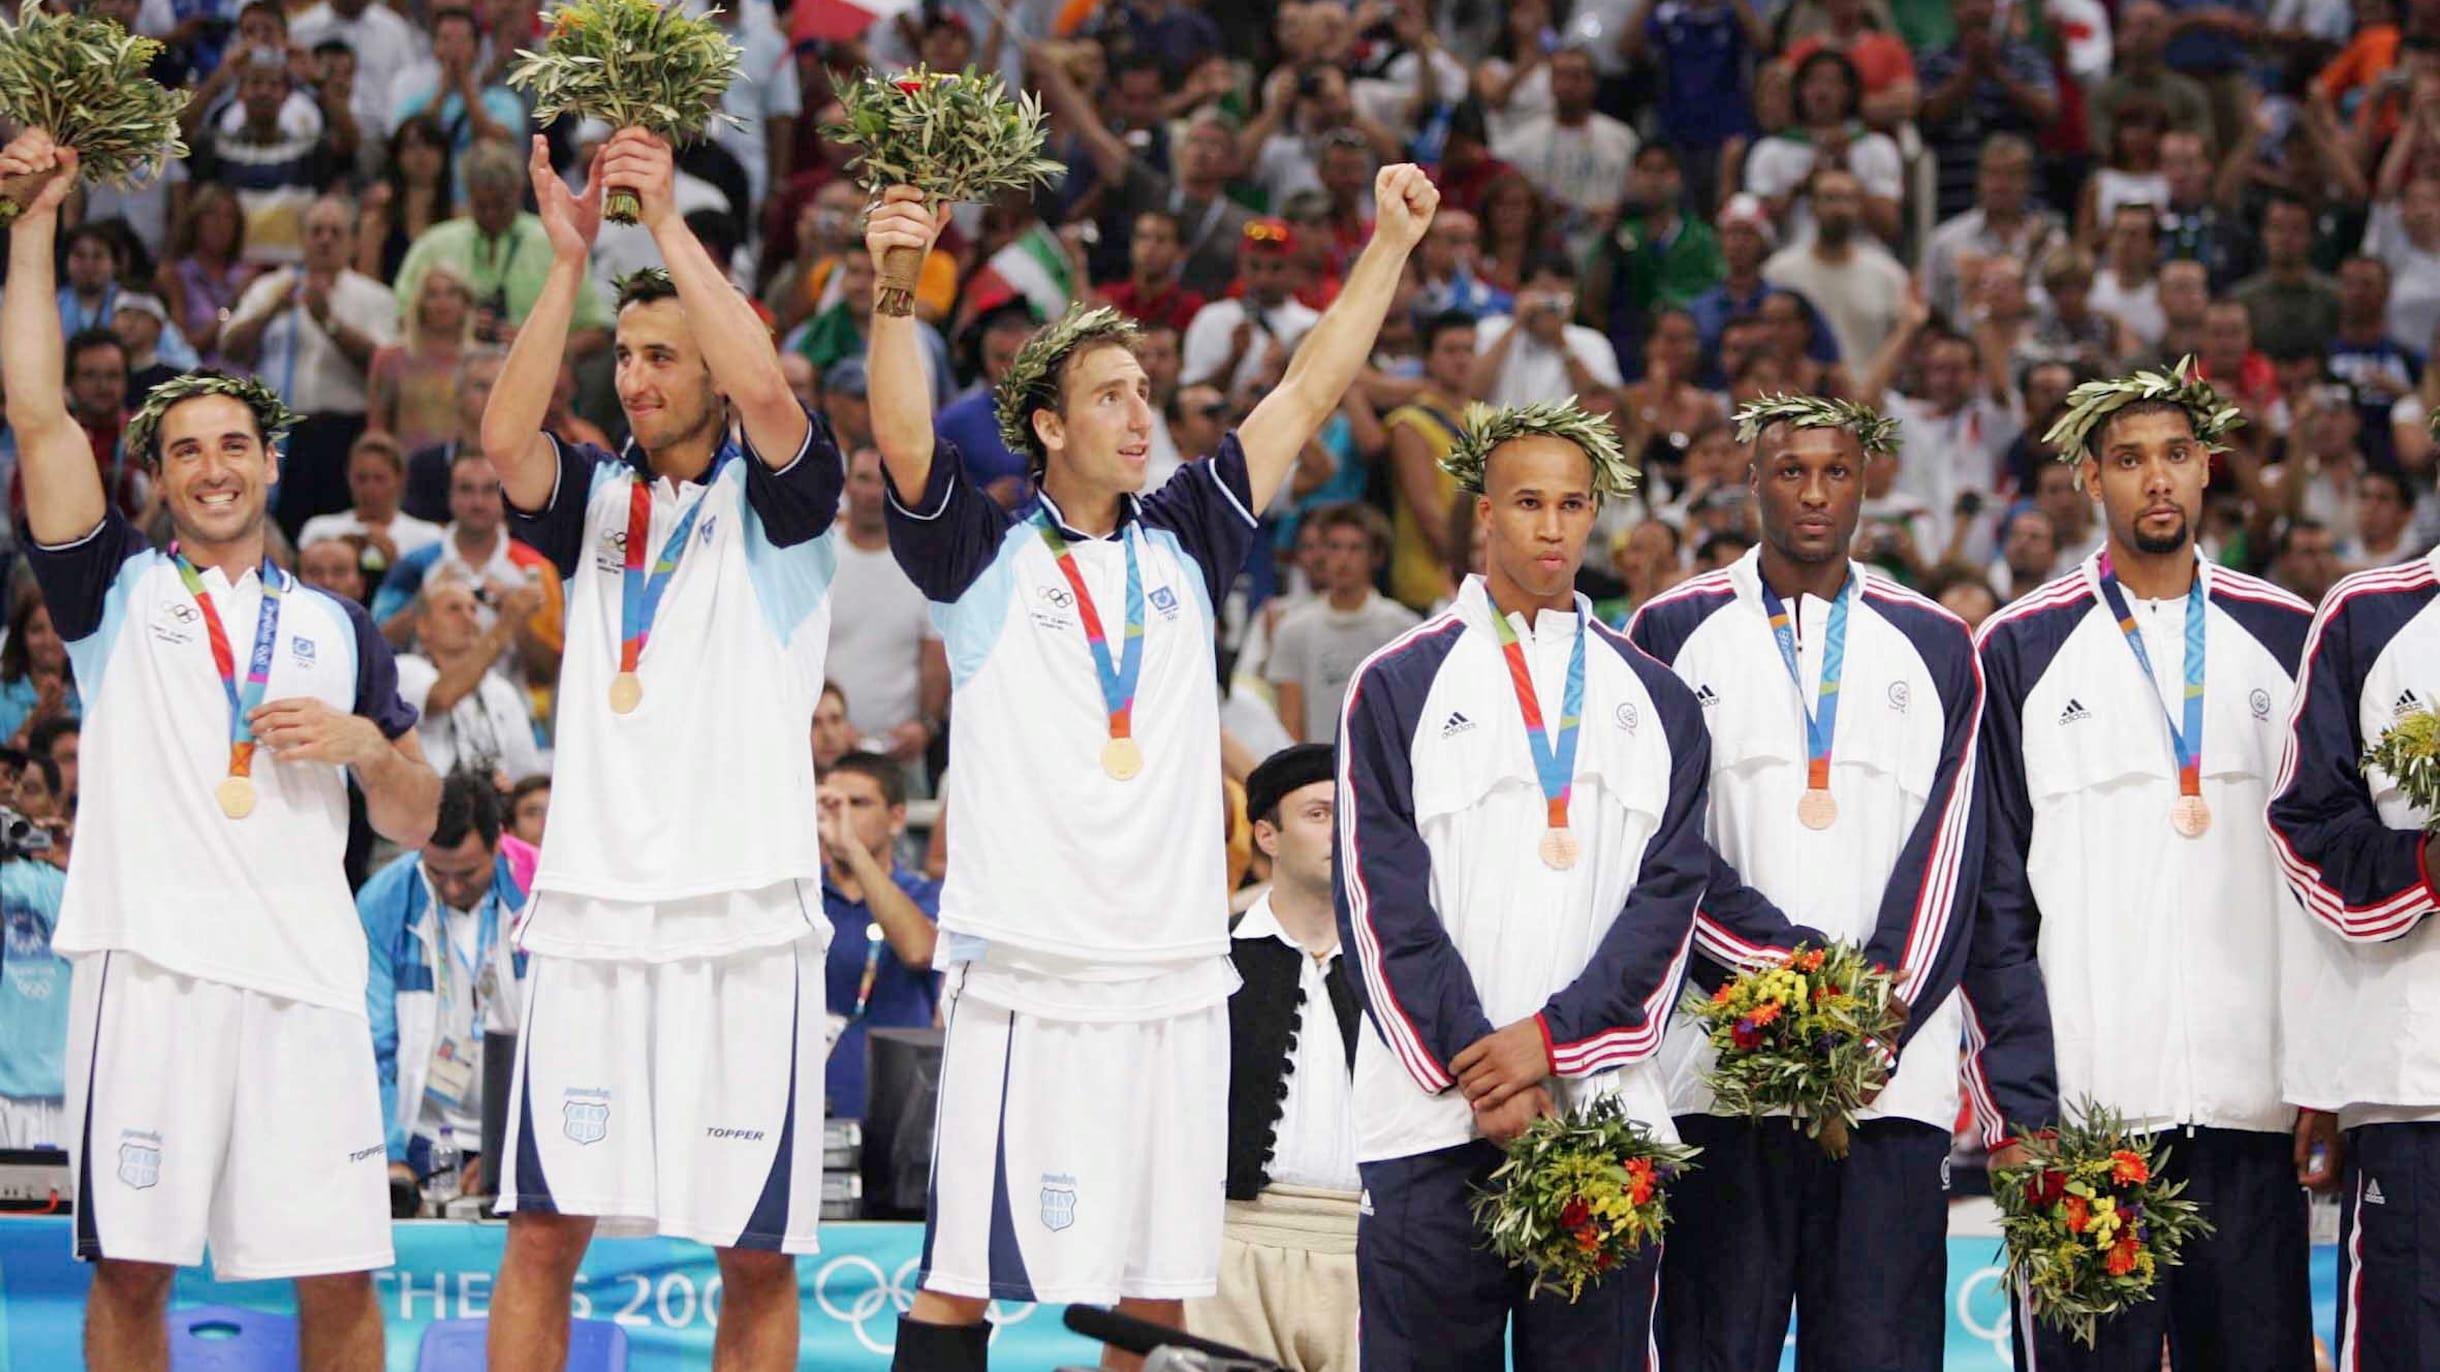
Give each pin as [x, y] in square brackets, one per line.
[971, 625]
[87, 656]
[1167, 538]
[33, 984]
[789, 583]
[342, 631]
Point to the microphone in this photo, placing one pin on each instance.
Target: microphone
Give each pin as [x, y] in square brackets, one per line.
[1165, 1349]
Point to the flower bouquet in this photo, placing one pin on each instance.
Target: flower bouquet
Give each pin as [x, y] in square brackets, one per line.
[1579, 1194]
[1814, 1033]
[2409, 751]
[83, 81]
[630, 64]
[2088, 1221]
[955, 136]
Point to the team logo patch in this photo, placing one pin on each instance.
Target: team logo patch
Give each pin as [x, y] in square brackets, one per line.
[1058, 1203]
[302, 647]
[1165, 600]
[2260, 703]
[176, 623]
[586, 1121]
[1455, 724]
[611, 556]
[703, 533]
[140, 1165]
[1629, 716]
[1705, 696]
[1900, 697]
[1058, 597]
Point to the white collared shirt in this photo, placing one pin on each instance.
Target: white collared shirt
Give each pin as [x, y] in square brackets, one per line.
[1316, 1141]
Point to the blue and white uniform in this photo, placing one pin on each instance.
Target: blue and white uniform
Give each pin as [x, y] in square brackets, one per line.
[2171, 964]
[220, 1064]
[1081, 1145]
[1456, 927]
[670, 1070]
[1861, 1246]
[431, 1004]
[33, 1008]
[2360, 1041]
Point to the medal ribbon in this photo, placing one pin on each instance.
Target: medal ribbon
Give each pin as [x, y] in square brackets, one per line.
[2188, 740]
[1555, 766]
[486, 933]
[1117, 679]
[640, 590]
[1821, 718]
[242, 700]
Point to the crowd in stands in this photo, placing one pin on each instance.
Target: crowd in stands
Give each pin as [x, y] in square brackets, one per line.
[1955, 210]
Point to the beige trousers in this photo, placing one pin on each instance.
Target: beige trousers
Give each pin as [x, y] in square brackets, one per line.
[1287, 1280]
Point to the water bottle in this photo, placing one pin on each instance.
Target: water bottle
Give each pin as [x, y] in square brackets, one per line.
[442, 1186]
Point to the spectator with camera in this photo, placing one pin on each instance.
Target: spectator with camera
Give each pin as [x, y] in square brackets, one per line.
[33, 989]
[881, 918]
[473, 719]
[443, 974]
[500, 249]
[1537, 354]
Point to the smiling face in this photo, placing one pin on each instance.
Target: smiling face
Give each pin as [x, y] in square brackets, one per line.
[664, 385]
[1101, 433]
[215, 475]
[1537, 509]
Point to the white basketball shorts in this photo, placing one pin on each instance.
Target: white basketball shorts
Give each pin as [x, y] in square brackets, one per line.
[205, 1113]
[1078, 1162]
[678, 1098]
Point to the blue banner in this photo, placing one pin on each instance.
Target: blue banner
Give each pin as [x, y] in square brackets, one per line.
[666, 1295]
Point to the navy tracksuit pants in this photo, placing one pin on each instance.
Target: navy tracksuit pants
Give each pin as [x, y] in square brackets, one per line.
[1766, 1219]
[2389, 1250]
[1434, 1299]
[2240, 1299]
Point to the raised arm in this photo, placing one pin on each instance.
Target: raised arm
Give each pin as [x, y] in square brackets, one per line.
[512, 422]
[901, 398]
[1336, 348]
[64, 500]
[736, 345]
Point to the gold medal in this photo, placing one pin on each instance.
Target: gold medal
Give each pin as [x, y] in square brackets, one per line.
[2190, 816]
[236, 796]
[1122, 758]
[626, 692]
[1818, 809]
[1559, 848]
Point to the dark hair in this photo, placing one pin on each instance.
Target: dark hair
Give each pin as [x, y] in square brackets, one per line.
[2283, 543]
[427, 129]
[1360, 516]
[98, 234]
[1551, 264]
[332, 47]
[267, 7]
[2098, 435]
[433, 24]
[84, 341]
[43, 738]
[469, 804]
[886, 773]
[49, 769]
[718, 232]
[643, 286]
[1724, 540]
[1469, 121]
[2274, 199]
[1441, 323]
[2391, 479]
[1827, 57]
[1661, 150]
[540, 781]
[13, 661]
[1177, 227]
[832, 688]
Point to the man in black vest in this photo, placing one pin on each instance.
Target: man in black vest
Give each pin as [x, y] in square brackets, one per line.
[1288, 1254]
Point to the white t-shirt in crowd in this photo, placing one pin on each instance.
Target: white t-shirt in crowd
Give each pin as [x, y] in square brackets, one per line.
[405, 530]
[875, 647]
[2137, 307]
[1206, 344]
[1537, 371]
[488, 729]
[299, 357]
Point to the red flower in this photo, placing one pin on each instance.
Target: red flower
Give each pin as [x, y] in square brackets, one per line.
[2045, 1189]
[909, 84]
[1745, 1035]
[2077, 1218]
[1726, 993]
[1639, 1181]
[1587, 1241]
[1575, 1213]
[2129, 1167]
[2122, 1257]
[1809, 961]
[1603, 1262]
[1766, 1012]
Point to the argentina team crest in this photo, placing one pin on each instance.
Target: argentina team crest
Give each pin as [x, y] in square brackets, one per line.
[140, 1164]
[1058, 1202]
[586, 1120]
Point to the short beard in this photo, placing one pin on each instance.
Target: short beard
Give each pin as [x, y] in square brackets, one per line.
[2162, 545]
[1833, 234]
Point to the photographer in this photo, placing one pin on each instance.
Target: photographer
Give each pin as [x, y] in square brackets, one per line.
[1537, 355]
[33, 989]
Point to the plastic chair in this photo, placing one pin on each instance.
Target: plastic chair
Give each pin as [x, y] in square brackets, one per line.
[229, 1338]
[457, 1346]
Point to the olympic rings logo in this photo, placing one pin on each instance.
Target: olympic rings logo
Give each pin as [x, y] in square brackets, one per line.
[866, 1292]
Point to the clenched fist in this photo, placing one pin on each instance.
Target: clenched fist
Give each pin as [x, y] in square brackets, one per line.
[1403, 202]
